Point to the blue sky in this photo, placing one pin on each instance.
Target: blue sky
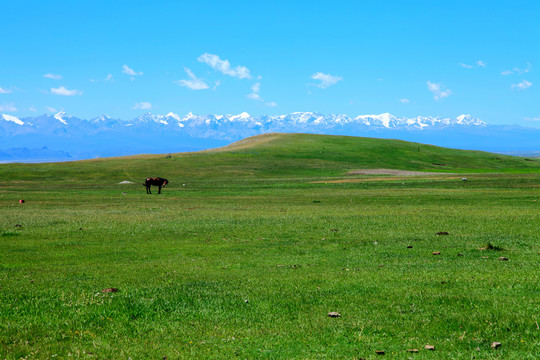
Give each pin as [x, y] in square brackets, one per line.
[408, 58]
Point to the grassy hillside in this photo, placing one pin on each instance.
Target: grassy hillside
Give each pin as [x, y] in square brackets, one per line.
[271, 155]
[252, 245]
[345, 152]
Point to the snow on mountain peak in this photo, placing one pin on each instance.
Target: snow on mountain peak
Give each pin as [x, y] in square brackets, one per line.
[242, 116]
[12, 119]
[173, 115]
[149, 118]
[103, 117]
[385, 118]
[62, 116]
[469, 120]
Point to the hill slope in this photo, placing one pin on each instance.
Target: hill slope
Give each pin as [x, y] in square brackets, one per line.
[276, 156]
[361, 152]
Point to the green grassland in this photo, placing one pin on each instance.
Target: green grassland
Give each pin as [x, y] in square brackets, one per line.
[250, 247]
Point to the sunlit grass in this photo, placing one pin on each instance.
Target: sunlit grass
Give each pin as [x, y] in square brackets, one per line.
[234, 264]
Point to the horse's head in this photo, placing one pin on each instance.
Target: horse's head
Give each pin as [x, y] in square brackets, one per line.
[165, 182]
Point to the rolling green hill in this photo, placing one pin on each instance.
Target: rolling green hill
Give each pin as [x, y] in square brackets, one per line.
[281, 155]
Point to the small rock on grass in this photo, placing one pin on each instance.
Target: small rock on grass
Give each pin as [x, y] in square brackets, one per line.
[502, 258]
[429, 347]
[334, 314]
[409, 247]
[379, 352]
[442, 233]
[436, 253]
[495, 344]
[109, 290]
[413, 350]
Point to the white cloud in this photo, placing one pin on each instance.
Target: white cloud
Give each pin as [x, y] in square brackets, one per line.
[224, 66]
[50, 109]
[130, 71]
[65, 92]
[254, 96]
[32, 109]
[522, 85]
[108, 78]
[437, 90]
[404, 101]
[325, 79]
[479, 63]
[4, 91]
[53, 76]
[517, 70]
[195, 83]
[8, 107]
[533, 118]
[142, 105]
[255, 89]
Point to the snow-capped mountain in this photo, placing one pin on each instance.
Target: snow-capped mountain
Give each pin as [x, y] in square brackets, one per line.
[156, 133]
[11, 119]
[311, 121]
[63, 117]
[298, 121]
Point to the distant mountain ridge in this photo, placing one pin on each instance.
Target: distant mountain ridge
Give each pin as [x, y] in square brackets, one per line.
[263, 123]
[154, 133]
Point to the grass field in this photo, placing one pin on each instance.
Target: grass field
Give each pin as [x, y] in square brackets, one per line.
[251, 246]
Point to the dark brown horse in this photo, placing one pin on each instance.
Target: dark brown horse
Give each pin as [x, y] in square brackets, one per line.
[156, 182]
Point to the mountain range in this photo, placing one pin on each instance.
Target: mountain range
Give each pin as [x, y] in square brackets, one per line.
[62, 136]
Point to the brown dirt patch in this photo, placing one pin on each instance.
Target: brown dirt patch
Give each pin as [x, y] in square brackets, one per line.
[391, 172]
[374, 178]
[109, 290]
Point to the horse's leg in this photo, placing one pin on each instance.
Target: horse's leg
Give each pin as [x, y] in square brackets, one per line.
[148, 191]
[159, 191]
